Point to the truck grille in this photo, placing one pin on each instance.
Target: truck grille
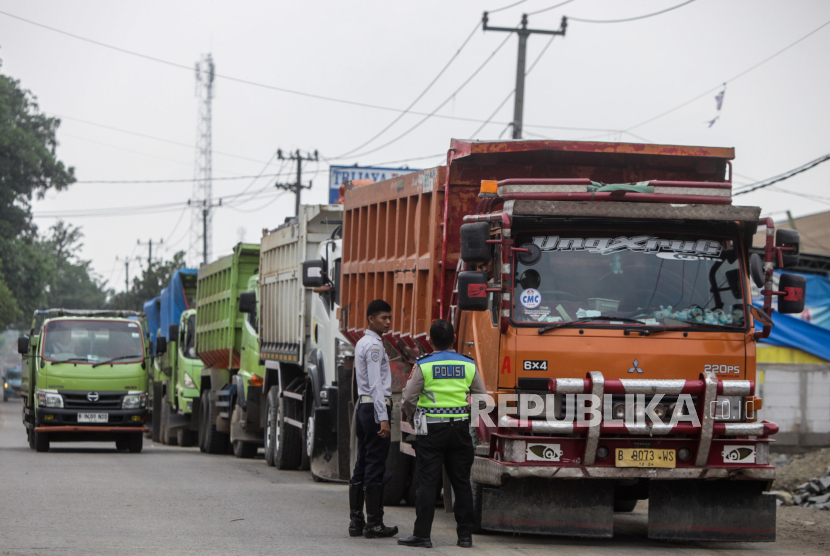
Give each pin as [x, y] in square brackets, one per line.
[79, 400]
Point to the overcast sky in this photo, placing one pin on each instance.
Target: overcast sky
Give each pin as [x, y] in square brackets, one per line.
[130, 118]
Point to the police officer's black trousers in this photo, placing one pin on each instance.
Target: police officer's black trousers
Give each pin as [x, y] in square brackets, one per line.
[372, 450]
[448, 445]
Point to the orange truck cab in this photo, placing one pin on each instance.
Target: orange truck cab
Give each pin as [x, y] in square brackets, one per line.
[604, 291]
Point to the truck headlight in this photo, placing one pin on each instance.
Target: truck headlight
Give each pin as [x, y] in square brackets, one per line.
[343, 350]
[728, 408]
[49, 398]
[188, 382]
[134, 400]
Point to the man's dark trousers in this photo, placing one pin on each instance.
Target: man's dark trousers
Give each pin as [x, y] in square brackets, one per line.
[448, 445]
[372, 450]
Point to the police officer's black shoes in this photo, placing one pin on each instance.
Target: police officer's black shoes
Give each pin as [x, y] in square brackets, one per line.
[374, 514]
[357, 522]
[464, 542]
[419, 542]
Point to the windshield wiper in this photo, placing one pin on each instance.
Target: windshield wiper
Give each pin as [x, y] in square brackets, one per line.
[70, 360]
[116, 359]
[555, 325]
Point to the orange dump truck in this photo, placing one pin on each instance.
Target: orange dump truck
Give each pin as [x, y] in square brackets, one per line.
[604, 291]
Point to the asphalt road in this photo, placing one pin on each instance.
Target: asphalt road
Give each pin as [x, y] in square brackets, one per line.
[88, 499]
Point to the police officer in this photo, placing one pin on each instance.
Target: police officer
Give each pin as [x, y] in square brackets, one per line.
[374, 406]
[439, 384]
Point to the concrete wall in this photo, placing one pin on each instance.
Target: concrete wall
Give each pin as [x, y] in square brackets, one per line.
[796, 398]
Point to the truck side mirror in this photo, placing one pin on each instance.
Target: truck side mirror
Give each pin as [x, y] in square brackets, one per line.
[314, 274]
[792, 301]
[788, 238]
[23, 345]
[247, 303]
[474, 247]
[161, 345]
[756, 270]
[173, 332]
[472, 291]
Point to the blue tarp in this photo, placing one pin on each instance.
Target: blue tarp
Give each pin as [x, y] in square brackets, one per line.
[810, 330]
[174, 300]
[151, 309]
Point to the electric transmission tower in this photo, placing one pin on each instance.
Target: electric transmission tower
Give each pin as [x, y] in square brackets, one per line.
[201, 236]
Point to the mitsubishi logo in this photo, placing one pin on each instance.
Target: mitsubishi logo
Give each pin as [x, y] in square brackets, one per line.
[93, 396]
[635, 367]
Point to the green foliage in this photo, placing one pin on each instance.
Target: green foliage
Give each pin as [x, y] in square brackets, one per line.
[71, 285]
[28, 168]
[149, 285]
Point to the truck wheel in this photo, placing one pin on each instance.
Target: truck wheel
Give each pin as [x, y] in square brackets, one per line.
[270, 424]
[215, 441]
[30, 438]
[136, 443]
[399, 464]
[167, 436]
[203, 406]
[41, 442]
[624, 505]
[288, 448]
[156, 412]
[244, 450]
[122, 443]
[185, 438]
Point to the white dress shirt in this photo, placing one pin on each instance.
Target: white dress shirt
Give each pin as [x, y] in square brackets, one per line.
[372, 372]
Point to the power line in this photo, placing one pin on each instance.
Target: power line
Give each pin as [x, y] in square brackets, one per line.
[414, 102]
[187, 180]
[560, 4]
[719, 85]
[630, 18]
[508, 6]
[781, 177]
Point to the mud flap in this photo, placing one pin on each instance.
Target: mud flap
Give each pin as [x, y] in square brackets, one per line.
[711, 511]
[572, 507]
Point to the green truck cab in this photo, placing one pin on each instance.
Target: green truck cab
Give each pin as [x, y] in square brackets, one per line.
[85, 378]
[226, 343]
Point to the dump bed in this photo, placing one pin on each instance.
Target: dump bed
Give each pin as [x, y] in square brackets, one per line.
[176, 298]
[218, 320]
[401, 241]
[285, 304]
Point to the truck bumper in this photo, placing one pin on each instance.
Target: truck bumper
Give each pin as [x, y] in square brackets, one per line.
[68, 418]
[715, 504]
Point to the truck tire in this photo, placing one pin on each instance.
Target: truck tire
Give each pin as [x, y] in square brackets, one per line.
[215, 441]
[400, 466]
[202, 420]
[30, 437]
[288, 444]
[185, 438]
[270, 424]
[136, 443]
[167, 436]
[156, 412]
[624, 505]
[244, 450]
[41, 442]
[122, 443]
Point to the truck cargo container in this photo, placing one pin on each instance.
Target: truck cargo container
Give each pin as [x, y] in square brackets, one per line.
[85, 378]
[177, 386]
[585, 268]
[226, 343]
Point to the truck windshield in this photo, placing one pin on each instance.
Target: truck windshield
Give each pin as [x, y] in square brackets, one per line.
[13, 375]
[92, 341]
[660, 279]
[189, 345]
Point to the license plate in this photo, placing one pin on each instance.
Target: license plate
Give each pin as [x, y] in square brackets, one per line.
[93, 417]
[645, 457]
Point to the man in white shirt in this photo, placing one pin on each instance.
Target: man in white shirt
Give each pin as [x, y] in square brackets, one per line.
[374, 404]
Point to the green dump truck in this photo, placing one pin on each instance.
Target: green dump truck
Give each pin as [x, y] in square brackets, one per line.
[85, 378]
[226, 343]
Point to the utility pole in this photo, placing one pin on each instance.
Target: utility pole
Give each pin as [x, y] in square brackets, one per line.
[201, 236]
[297, 186]
[150, 251]
[126, 272]
[206, 207]
[524, 33]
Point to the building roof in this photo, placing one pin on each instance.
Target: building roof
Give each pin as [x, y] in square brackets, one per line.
[814, 230]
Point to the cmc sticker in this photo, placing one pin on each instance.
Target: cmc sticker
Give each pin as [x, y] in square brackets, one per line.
[530, 298]
[544, 452]
[738, 454]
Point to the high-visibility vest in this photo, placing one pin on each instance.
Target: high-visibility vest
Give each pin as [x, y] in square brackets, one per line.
[447, 379]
